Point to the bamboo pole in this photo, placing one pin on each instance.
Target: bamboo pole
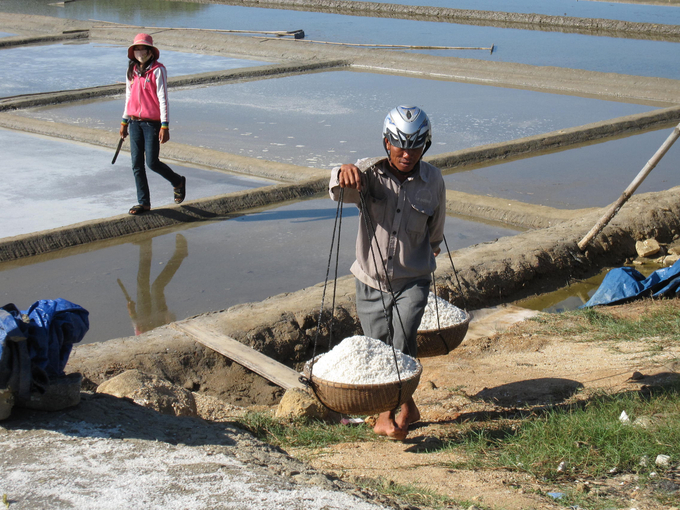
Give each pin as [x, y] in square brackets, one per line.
[366, 45]
[279, 33]
[614, 208]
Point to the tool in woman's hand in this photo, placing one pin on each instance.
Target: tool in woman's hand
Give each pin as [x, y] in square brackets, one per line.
[120, 144]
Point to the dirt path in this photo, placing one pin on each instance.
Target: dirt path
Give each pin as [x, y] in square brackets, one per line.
[487, 380]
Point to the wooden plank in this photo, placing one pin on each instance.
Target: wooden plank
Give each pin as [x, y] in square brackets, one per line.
[265, 366]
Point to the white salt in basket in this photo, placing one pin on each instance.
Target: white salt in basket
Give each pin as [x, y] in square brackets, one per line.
[441, 341]
[364, 399]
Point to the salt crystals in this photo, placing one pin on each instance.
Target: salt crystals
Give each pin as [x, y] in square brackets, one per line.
[364, 360]
[449, 315]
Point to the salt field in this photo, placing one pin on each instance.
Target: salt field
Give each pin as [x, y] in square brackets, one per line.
[550, 48]
[324, 119]
[83, 184]
[317, 120]
[588, 176]
[51, 68]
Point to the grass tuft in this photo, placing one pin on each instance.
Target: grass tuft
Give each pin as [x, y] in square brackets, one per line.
[301, 433]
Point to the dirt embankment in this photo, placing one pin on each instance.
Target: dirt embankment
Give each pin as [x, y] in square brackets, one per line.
[284, 327]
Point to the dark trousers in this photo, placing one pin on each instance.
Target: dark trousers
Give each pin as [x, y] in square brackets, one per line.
[144, 140]
[399, 318]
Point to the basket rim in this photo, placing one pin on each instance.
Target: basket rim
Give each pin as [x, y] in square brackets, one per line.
[364, 386]
[466, 321]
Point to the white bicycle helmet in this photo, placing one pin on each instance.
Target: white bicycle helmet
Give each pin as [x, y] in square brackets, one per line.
[407, 127]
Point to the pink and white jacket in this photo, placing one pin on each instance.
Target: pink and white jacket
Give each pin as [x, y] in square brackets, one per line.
[146, 96]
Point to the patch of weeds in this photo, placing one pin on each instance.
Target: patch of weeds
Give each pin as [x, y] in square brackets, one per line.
[659, 325]
[301, 433]
[410, 494]
[480, 442]
[587, 441]
[662, 324]
[592, 440]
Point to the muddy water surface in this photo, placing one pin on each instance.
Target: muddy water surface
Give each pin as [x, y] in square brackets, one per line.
[144, 281]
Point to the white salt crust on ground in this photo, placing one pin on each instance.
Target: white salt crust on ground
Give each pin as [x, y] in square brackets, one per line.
[363, 360]
[449, 315]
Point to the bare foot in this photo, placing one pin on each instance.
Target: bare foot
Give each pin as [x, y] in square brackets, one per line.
[408, 414]
[386, 426]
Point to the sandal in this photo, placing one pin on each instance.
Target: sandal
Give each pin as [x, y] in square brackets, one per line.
[180, 191]
[138, 209]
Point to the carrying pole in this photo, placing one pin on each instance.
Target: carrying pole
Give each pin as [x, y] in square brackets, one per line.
[614, 208]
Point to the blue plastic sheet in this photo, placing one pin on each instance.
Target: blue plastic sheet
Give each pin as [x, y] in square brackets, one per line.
[35, 344]
[625, 284]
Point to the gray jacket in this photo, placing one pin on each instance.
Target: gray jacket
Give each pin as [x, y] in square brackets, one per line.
[408, 219]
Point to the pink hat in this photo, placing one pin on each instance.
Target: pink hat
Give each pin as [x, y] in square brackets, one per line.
[143, 40]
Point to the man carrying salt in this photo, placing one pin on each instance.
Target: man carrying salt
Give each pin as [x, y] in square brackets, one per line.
[402, 204]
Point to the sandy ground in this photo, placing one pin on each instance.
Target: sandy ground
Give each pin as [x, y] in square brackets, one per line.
[64, 459]
[488, 380]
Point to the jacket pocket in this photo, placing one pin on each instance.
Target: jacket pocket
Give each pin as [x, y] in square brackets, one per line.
[416, 226]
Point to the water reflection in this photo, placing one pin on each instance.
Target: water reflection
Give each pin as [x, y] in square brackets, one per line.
[151, 310]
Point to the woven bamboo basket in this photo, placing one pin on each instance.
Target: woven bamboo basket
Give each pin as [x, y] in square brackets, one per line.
[363, 399]
[439, 342]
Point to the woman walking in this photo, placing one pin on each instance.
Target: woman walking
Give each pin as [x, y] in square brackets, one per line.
[145, 118]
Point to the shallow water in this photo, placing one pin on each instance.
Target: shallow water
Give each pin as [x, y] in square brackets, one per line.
[588, 176]
[180, 272]
[52, 183]
[576, 294]
[61, 66]
[606, 54]
[323, 119]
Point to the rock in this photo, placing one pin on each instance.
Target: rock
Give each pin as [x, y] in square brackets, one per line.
[297, 403]
[663, 460]
[151, 391]
[669, 260]
[6, 403]
[647, 248]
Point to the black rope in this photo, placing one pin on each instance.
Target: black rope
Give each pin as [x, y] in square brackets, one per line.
[370, 228]
[337, 226]
[436, 308]
[460, 289]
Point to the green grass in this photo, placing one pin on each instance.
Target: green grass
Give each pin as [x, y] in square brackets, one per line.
[662, 324]
[307, 433]
[411, 494]
[590, 439]
[587, 436]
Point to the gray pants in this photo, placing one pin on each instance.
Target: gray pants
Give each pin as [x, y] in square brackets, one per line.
[410, 302]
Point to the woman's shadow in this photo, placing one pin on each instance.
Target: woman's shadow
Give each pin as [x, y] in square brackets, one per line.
[151, 310]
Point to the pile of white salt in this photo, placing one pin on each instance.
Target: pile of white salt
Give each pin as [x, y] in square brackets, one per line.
[364, 360]
[449, 315]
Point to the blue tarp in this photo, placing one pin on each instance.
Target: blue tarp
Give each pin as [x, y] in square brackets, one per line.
[35, 344]
[625, 283]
